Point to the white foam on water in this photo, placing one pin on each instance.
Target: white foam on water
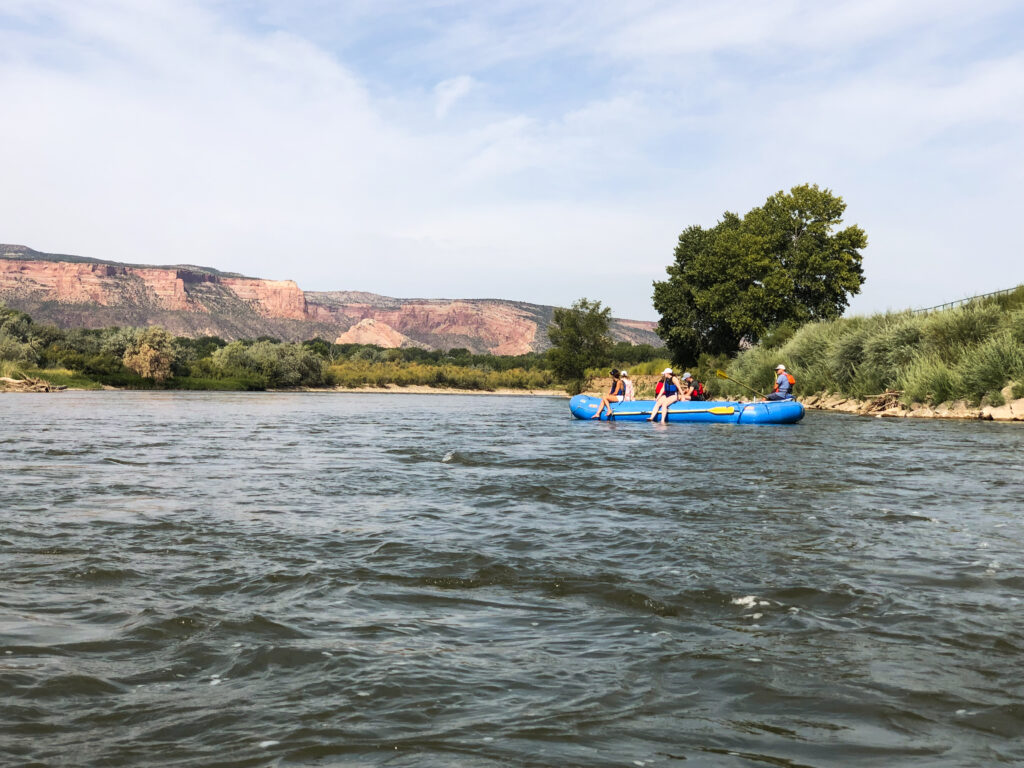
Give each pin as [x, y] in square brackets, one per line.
[326, 653]
[362, 693]
[448, 457]
[236, 645]
[755, 616]
[754, 659]
[533, 623]
[747, 602]
[269, 743]
[216, 681]
[488, 738]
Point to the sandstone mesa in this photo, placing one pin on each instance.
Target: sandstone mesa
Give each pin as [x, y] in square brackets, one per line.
[72, 291]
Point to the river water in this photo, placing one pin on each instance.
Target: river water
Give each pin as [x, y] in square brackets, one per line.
[405, 580]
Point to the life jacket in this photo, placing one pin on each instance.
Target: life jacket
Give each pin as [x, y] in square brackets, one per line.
[669, 388]
[792, 382]
[658, 387]
[698, 393]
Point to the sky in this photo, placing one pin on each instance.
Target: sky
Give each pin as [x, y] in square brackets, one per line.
[537, 150]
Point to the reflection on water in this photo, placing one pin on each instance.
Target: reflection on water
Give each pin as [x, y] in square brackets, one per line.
[283, 579]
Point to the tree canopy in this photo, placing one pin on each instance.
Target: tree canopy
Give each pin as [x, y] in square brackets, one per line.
[581, 341]
[785, 261]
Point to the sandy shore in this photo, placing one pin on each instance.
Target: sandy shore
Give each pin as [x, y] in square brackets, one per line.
[419, 389]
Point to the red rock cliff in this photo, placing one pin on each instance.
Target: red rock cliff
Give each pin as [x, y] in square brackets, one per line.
[72, 291]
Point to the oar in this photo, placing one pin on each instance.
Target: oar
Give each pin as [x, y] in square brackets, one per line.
[718, 410]
[724, 375]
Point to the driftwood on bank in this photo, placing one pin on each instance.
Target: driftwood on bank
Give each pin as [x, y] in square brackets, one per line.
[28, 384]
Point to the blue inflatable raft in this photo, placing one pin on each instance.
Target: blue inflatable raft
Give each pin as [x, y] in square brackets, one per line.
[709, 411]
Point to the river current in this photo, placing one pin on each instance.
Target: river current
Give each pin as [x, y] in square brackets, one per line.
[412, 580]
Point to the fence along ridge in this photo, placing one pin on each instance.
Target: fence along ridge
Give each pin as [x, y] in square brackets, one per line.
[969, 299]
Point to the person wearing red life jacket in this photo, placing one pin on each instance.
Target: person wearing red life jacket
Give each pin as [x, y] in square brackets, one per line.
[697, 391]
[784, 384]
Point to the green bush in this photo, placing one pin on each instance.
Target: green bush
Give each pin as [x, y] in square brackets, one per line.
[989, 366]
[929, 379]
[355, 374]
[994, 398]
[947, 334]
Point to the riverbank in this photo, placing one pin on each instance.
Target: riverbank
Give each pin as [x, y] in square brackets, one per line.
[888, 405]
[961, 359]
[420, 389]
[39, 385]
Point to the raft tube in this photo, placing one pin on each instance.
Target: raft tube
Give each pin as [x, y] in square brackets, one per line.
[701, 411]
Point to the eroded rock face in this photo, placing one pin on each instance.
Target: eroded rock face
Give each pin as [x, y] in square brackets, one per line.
[500, 329]
[190, 301]
[370, 331]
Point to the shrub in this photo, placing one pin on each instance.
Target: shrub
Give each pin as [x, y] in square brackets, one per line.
[948, 333]
[928, 379]
[151, 353]
[990, 365]
[994, 398]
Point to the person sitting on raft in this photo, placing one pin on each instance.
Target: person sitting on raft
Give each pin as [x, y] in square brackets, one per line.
[784, 384]
[690, 388]
[671, 391]
[627, 384]
[615, 395]
[695, 388]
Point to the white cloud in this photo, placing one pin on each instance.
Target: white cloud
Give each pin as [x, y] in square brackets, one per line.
[562, 161]
[447, 92]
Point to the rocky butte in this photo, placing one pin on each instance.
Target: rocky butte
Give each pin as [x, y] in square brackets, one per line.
[73, 291]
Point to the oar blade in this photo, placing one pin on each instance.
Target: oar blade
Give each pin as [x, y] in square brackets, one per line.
[721, 374]
[722, 410]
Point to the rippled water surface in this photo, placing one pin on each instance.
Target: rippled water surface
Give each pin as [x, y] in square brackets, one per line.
[404, 580]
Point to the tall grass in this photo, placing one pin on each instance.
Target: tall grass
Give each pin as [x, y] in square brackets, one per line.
[10, 369]
[971, 352]
[355, 373]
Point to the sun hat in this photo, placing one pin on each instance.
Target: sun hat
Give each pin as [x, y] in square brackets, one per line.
[687, 375]
[780, 367]
[667, 370]
[624, 373]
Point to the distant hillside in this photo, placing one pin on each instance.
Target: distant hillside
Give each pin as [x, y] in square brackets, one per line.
[189, 300]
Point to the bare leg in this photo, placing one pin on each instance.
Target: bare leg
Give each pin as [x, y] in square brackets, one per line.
[654, 408]
[601, 407]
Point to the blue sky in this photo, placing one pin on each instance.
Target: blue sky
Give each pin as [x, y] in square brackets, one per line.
[539, 151]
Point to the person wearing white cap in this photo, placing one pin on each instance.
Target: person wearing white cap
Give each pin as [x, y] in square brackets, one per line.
[628, 384]
[671, 392]
[784, 383]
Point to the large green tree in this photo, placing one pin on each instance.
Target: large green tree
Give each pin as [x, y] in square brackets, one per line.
[581, 341]
[785, 261]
